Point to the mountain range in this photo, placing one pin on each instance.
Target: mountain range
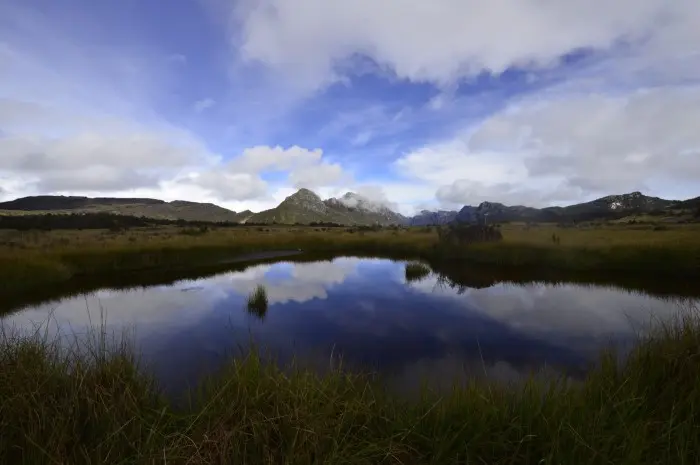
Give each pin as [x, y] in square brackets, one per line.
[151, 208]
[305, 207]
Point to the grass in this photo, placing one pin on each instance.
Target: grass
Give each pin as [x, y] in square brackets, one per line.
[415, 271]
[257, 301]
[57, 406]
[29, 260]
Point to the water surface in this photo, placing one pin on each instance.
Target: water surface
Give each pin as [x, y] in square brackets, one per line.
[365, 311]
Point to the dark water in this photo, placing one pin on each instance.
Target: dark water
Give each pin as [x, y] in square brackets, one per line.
[365, 311]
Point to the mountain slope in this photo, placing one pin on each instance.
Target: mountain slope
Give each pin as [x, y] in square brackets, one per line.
[306, 207]
[609, 207]
[427, 218]
[361, 210]
[150, 208]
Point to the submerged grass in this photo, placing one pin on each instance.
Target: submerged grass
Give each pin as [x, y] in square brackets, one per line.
[59, 407]
[257, 301]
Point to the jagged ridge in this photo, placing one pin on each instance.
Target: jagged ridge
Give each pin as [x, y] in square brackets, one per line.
[306, 207]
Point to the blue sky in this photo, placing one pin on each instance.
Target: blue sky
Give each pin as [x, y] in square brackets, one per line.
[415, 104]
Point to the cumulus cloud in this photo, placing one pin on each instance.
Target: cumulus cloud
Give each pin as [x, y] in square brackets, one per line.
[227, 185]
[58, 150]
[441, 41]
[612, 124]
[78, 115]
[370, 196]
[465, 192]
[240, 178]
[316, 175]
[77, 118]
[559, 147]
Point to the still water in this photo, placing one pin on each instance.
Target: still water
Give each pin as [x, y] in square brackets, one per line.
[365, 311]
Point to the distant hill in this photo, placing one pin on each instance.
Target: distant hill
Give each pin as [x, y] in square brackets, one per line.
[606, 208]
[304, 207]
[149, 208]
[427, 218]
[611, 207]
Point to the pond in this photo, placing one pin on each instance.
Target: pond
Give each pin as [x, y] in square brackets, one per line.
[365, 312]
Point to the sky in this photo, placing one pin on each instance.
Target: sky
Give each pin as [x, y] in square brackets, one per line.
[415, 104]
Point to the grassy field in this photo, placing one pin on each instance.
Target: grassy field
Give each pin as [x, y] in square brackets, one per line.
[60, 408]
[32, 259]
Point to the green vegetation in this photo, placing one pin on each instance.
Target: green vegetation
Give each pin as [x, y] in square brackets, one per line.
[111, 221]
[257, 301]
[457, 234]
[59, 407]
[30, 260]
[415, 271]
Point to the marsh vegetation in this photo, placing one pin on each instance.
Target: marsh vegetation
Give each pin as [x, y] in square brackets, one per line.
[102, 407]
[31, 259]
[257, 301]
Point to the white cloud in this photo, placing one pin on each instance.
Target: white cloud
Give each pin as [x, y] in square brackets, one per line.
[56, 149]
[263, 157]
[323, 174]
[452, 160]
[558, 147]
[78, 117]
[240, 178]
[201, 105]
[442, 40]
[229, 186]
[464, 192]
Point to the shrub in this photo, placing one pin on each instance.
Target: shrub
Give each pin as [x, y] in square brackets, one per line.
[462, 234]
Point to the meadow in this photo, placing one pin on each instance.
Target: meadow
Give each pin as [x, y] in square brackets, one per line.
[94, 402]
[30, 259]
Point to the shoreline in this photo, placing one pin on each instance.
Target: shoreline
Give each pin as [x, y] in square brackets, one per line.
[106, 409]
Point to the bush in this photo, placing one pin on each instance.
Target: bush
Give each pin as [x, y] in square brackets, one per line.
[462, 234]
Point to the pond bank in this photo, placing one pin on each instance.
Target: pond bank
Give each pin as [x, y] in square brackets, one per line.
[106, 411]
[28, 269]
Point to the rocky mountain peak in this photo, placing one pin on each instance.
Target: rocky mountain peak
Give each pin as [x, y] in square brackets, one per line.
[357, 201]
[305, 199]
[304, 195]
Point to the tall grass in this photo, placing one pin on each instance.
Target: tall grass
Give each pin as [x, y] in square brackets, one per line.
[257, 301]
[57, 406]
[34, 259]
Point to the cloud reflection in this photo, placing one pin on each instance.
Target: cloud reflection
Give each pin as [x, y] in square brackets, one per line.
[301, 282]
